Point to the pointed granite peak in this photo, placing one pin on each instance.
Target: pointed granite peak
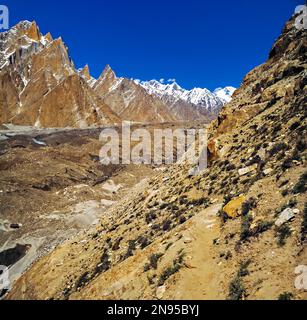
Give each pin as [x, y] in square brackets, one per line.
[48, 37]
[107, 74]
[106, 79]
[85, 72]
[33, 32]
[107, 71]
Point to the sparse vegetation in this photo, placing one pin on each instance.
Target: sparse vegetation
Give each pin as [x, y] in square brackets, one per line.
[300, 187]
[285, 192]
[153, 262]
[277, 148]
[130, 250]
[283, 232]
[230, 167]
[166, 225]
[285, 296]
[248, 205]
[245, 226]
[143, 242]
[304, 224]
[223, 216]
[243, 271]
[150, 216]
[174, 268]
[261, 227]
[236, 289]
[236, 286]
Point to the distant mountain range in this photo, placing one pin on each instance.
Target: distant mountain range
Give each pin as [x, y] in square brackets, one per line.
[40, 85]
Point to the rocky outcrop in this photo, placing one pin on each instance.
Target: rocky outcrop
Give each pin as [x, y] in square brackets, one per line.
[273, 83]
[40, 86]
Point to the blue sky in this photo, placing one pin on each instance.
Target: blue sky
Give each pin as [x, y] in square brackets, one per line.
[200, 43]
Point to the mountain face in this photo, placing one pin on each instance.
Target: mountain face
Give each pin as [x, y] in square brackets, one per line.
[235, 231]
[129, 100]
[153, 101]
[40, 86]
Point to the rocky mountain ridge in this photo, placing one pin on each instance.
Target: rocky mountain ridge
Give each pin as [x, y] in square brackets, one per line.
[40, 86]
[171, 93]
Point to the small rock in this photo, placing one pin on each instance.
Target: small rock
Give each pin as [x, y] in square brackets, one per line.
[284, 216]
[296, 211]
[187, 240]
[261, 153]
[268, 171]
[40, 143]
[160, 292]
[246, 170]
[15, 225]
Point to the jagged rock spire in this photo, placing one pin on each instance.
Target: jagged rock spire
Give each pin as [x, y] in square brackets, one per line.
[86, 72]
[33, 32]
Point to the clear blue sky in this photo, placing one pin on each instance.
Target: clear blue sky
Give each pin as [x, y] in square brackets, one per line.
[200, 43]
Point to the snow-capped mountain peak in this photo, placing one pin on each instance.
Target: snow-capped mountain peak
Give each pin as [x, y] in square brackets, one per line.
[225, 93]
[200, 97]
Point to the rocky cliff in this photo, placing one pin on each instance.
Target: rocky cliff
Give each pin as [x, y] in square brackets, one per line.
[40, 86]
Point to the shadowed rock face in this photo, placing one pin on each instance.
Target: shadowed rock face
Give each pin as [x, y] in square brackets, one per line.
[40, 86]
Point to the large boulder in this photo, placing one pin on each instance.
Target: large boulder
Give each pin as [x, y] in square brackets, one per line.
[233, 207]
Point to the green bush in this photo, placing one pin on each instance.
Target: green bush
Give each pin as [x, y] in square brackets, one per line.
[277, 148]
[174, 268]
[283, 232]
[285, 296]
[300, 187]
[236, 287]
[245, 226]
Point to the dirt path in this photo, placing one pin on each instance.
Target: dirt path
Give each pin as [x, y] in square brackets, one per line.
[200, 280]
